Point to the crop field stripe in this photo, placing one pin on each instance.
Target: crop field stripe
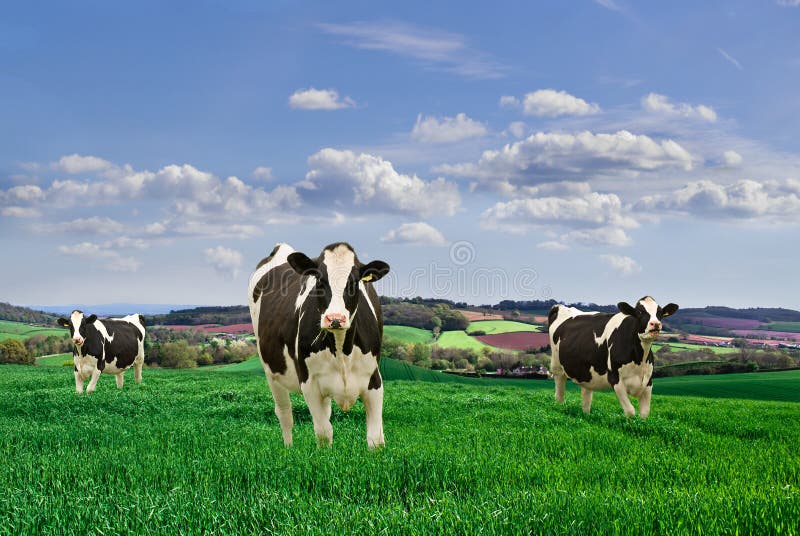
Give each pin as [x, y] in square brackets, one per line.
[492, 327]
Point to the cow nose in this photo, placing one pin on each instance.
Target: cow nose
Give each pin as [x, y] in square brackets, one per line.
[335, 321]
[78, 340]
[656, 325]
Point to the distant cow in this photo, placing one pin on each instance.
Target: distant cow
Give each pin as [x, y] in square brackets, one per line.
[318, 326]
[607, 351]
[107, 346]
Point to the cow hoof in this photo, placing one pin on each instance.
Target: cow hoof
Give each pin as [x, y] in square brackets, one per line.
[375, 445]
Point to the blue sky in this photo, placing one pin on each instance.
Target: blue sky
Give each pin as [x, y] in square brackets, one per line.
[585, 150]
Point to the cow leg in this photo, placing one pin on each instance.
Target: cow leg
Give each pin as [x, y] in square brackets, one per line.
[644, 402]
[561, 384]
[93, 382]
[586, 400]
[78, 382]
[373, 406]
[137, 369]
[625, 402]
[320, 408]
[283, 409]
[120, 379]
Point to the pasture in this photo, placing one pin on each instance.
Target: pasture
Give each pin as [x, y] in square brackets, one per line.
[17, 330]
[459, 339]
[200, 451]
[407, 334]
[496, 327]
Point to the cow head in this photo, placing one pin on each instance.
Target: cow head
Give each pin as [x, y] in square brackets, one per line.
[648, 314]
[333, 282]
[77, 326]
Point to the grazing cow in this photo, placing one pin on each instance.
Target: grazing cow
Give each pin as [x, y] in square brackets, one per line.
[607, 351]
[110, 346]
[318, 326]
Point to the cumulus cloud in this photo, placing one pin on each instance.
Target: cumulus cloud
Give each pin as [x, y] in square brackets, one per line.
[224, 260]
[262, 172]
[552, 245]
[319, 99]
[732, 158]
[509, 101]
[769, 200]
[364, 181]
[583, 217]
[82, 226]
[20, 212]
[547, 157]
[660, 104]
[622, 264]
[107, 253]
[517, 129]
[76, 163]
[552, 103]
[416, 234]
[447, 129]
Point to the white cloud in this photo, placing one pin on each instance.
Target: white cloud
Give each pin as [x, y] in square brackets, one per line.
[517, 129]
[20, 212]
[26, 193]
[319, 99]
[509, 101]
[106, 252]
[76, 163]
[589, 218]
[789, 3]
[552, 103]
[417, 234]
[262, 172]
[608, 4]
[552, 245]
[82, 226]
[434, 49]
[772, 201]
[621, 264]
[732, 158]
[733, 61]
[224, 260]
[548, 157]
[656, 103]
[447, 129]
[338, 179]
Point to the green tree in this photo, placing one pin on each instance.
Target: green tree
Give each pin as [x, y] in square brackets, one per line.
[13, 351]
[178, 355]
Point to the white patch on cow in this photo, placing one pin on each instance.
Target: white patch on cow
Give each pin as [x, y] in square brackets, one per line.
[611, 326]
[308, 286]
[287, 380]
[339, 263]
[635, 377]
[280, 256]
[363, 290]
[597, 383]
[342, 379]
[134, 319]
[75, 319]
[99, 326]
[651, 307]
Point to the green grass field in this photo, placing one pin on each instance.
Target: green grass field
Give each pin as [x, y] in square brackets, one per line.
[495, 327]
[793, 327]
[200, 452]
[57, 360]
[682, 346]
[459, 339]
[407, 334]
[17, 330]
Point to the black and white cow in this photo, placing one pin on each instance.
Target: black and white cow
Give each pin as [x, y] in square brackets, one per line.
[318, 325]
[607, 351]
[107, 346]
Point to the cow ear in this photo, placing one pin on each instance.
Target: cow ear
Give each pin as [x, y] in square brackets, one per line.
[669, 309]
[373, 271]
[302, 264]
[626, 309]
[91, 319]
[63, 322]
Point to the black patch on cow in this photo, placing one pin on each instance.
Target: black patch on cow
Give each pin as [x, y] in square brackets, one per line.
[375, 380]
[578, 352]
[282, 327]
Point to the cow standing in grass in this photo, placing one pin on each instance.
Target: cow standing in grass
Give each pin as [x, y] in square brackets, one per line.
[107, 346]
[318, 327]
[607, 351]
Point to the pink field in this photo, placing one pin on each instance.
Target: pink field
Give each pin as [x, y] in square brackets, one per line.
[702, 339]
[474, 316]
[520, 340]
[199, 327]
[785, 335]
[725, 322]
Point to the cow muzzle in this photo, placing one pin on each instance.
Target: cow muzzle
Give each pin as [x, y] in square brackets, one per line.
[78, 341]
[334, 321]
